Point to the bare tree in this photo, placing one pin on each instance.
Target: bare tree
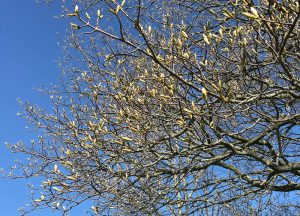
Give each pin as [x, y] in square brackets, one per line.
[180, 107]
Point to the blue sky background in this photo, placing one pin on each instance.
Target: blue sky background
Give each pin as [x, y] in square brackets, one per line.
[29, 34]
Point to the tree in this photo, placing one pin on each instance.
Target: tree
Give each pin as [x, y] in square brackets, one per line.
[173, 108]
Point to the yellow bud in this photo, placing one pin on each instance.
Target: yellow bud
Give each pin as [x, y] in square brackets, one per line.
[179, 44]
[187, 111]
[126, 138]
[99, 14]
[254, 12]
[74, 26]
[186, 55]
[118, 9]
[71, 14]
[76, 9]
[126, 150]
[220, 84]
[204, 93]
[57, 189]
[55, 168]
[87, 16]
[206, 39]
[71, 178]
[118, 142]
[193, 106]
[152, 92]
[149, 29]
[67, 163]
[228, 14]
[249, 15]
[184, 34]
[180, 122]
[91, 125]
[68, 152]
[221, 32]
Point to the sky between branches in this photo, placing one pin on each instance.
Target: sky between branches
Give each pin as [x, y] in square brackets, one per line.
[28, 50]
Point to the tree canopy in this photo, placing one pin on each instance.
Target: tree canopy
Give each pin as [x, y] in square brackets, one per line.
[172, 108]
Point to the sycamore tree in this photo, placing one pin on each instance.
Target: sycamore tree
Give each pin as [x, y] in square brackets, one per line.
[178, 107]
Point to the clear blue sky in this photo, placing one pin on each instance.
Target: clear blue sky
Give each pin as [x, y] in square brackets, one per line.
[28, 50]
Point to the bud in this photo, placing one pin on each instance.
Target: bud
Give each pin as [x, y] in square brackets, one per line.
[55, 168]
[126, 138]
[221, 32]
[204, 93]
[249, 15]
[99, 14]
[75, 27]
[186, 55]
[184, 34]
[56, 189]
[87, 16]
[153, 92]
[71, 14]
[254, 12]
[118, 9]
[206, 39]
[179, 43]
[193, 106]
[149, 29]
[76, 9]
[188, 111]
